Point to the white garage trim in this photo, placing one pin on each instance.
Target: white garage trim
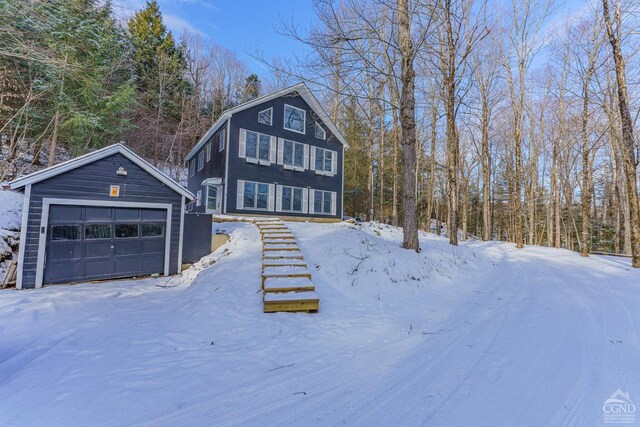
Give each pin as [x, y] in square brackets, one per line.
[44, 221]
[23, 234]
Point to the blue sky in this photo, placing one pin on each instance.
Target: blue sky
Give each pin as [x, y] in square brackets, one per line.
[239, 25]
[249, 26]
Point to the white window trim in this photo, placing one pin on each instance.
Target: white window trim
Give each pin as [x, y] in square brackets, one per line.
[334, 162]
[208, 152]
[199, 198]
[305, 155]
[270, 117]
[273, 146]
[324, 132]
[192, 167]
[304, 203]
[200, 160]
[271, 193]
[284, 120]
[222, 141]
[332, 207]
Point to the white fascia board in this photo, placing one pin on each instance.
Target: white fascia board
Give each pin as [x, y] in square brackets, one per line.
[213, 129]
[94, 156]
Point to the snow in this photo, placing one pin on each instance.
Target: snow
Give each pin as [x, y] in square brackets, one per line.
[290, 296]
[481, 334]
[10, 221]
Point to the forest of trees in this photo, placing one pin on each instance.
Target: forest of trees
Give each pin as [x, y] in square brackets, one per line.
[525, 125]
[494, 118]
[72, 74]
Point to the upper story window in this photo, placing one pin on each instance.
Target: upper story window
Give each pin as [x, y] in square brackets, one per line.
[266, 116]
[324, 161]
[320, 132]
[192, 167]
[294, 154]
[200, 160]
[257, 147]
[208, 152]
[295, 119]
[222, 140]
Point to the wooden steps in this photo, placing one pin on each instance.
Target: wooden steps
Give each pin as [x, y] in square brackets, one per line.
[286, 281]
[282, 254]
[283, 262]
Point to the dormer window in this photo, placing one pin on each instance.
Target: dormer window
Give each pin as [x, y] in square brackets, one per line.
[266, 116]
[320, 132]
[295, 119]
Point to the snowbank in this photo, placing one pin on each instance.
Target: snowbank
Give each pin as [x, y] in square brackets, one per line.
[481, 334]
[10, 220]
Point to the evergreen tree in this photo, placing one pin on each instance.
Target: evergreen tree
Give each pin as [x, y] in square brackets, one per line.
[251, 88]
[159, 67]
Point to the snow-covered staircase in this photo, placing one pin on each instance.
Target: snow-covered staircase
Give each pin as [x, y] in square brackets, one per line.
[286, 280]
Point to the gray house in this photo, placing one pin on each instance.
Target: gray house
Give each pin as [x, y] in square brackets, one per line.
[104, 215]
[278, 155]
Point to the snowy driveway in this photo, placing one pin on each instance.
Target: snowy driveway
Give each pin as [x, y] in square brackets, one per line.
[479, 335]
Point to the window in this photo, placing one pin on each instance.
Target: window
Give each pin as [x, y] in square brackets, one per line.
[292, 199]
[295, 119]
[221, 140]
[65, 232]
[200, 160]
[153, 229]
[212, 197]
[322, 202]
[256, 195]
[258, 146]
[320, 132]
[97, 231]
[126, 230]
[293, 154]
[266, 116]
[324, 161]
[208, 152]
[192, 167]
[199, 198]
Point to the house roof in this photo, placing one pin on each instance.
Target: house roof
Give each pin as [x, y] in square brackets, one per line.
[94, 156]
[302, 89]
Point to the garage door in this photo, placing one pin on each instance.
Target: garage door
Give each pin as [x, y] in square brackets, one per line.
[92, 243]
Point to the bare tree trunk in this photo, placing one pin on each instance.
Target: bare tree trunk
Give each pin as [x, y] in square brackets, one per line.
[628, 154]
[56, 118]
[408, 129]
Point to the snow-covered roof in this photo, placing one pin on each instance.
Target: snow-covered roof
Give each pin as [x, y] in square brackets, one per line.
[302, 89]
[94, 156]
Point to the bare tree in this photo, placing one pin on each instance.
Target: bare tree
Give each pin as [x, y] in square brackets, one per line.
[628, 154]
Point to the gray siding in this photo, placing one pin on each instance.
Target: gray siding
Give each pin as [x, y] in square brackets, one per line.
[212, 169]
[239, 169]
[92, 182]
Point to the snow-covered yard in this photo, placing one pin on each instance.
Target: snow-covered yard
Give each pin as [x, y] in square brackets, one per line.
[482, 334]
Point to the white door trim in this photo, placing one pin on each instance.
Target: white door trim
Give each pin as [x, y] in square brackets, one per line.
[44, 222]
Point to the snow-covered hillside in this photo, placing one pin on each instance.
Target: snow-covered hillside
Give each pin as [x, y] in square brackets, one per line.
[482, 334]
[10, 219]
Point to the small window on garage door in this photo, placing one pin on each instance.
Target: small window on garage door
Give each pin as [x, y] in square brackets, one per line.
[155, 229]
[126, 230]
[97, 231]
[65, 232]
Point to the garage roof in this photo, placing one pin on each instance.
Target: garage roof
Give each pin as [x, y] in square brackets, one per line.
[94, 156]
